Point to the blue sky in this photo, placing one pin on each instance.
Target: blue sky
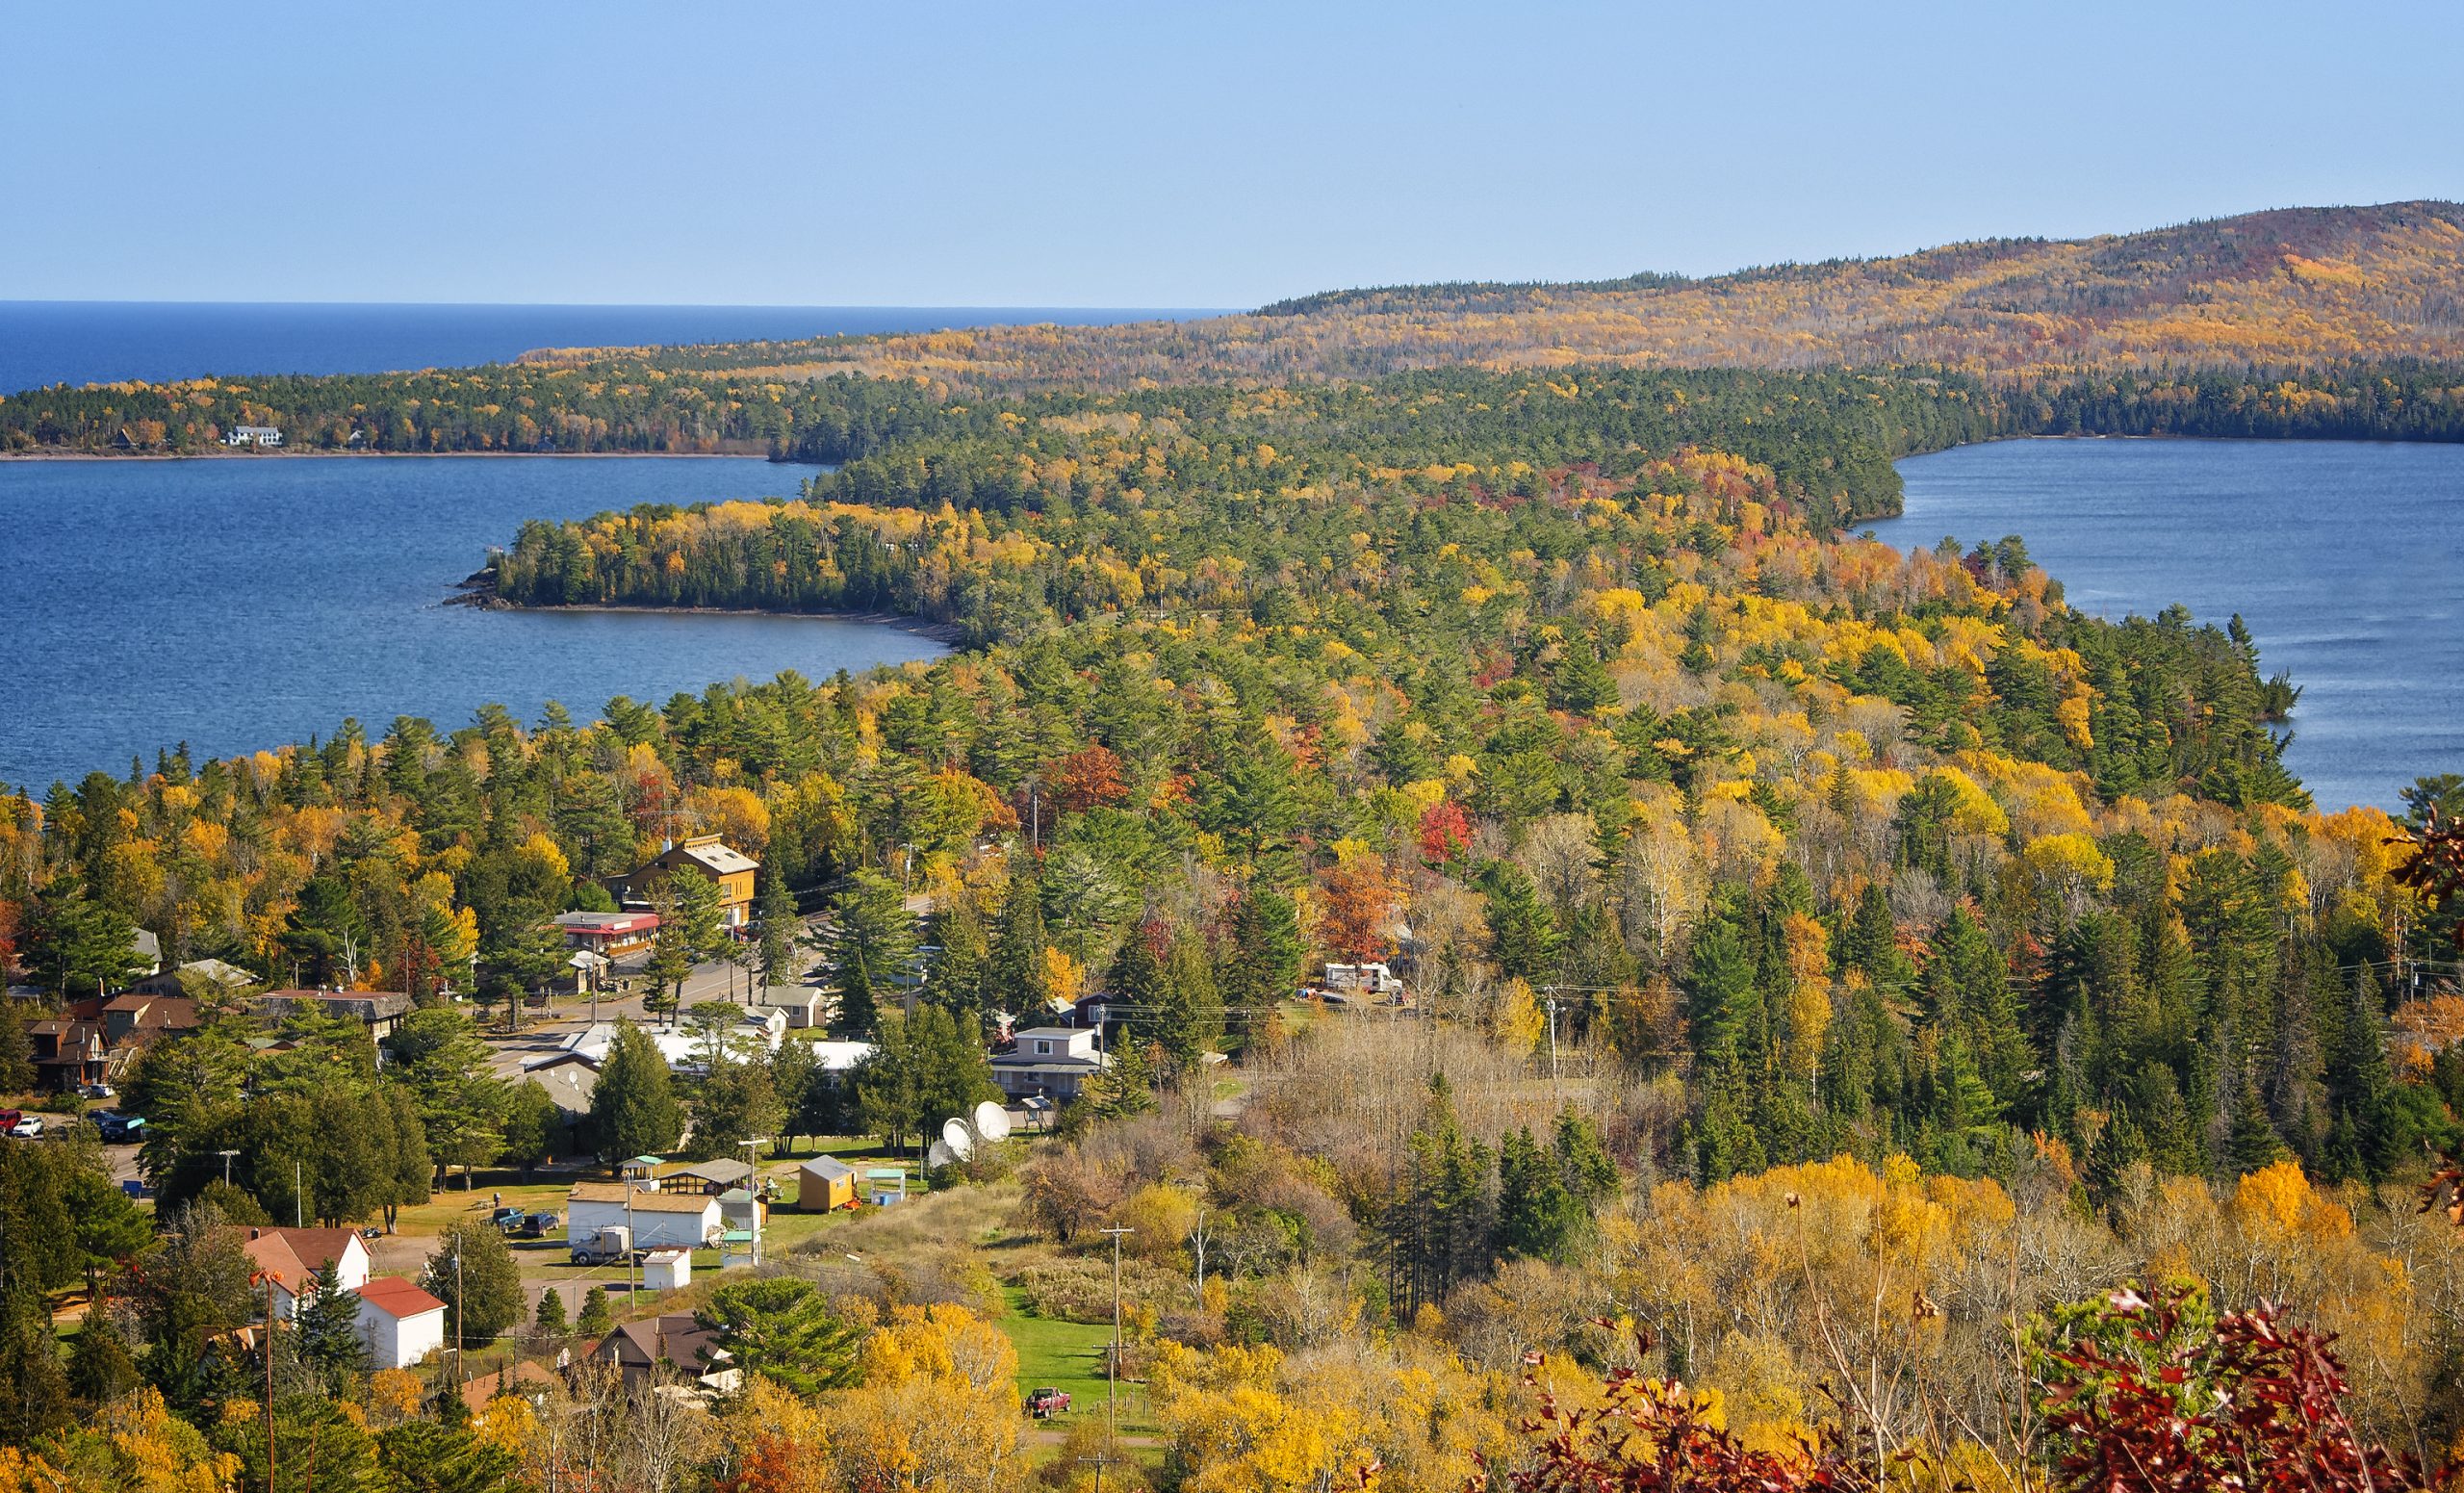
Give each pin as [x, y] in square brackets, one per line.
[1153, 154]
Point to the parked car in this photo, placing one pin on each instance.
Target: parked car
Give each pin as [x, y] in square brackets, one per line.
[1046, 1402]
[508, 1219]
[10, 1116]
[96, 1092]
[118, 1128]
[27, 1127]
[540, 1225]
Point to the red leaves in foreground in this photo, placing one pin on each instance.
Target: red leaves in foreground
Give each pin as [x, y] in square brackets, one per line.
[1653, 1436]
[2148, 1397]
[2140, 1396]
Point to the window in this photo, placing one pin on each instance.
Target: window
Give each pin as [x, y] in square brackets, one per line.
[1043, 1048]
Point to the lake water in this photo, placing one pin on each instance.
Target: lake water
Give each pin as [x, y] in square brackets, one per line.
[238, 605]
[43, 341]
[2346, 559]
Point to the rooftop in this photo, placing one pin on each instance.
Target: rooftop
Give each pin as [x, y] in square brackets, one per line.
[397, 1297]
[643, 1202]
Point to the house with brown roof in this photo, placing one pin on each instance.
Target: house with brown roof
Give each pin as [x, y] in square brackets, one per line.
[68, 1050]
[380, 1011]
[705, 855]
[677, 1340]
[295, 1258]
[141, 1016]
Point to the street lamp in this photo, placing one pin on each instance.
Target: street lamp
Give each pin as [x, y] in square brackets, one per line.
[752, 1174]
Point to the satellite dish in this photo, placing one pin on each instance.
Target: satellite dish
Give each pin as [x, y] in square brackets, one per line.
[938, 1156]
[992, 1121]
[957, 1137]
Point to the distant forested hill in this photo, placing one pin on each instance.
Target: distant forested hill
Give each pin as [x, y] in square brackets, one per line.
[2300, 285]
[2323, 321]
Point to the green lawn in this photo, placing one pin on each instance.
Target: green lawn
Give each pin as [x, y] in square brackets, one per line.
[1070, 1356]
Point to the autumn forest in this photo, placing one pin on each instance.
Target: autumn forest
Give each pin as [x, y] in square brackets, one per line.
[1867, 1023]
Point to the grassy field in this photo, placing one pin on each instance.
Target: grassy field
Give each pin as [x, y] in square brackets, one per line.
[1070, 1356]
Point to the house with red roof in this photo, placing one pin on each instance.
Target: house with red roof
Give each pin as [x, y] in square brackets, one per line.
[400, 1322]
[295, 1256]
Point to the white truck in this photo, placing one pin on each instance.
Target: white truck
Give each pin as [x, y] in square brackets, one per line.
[1364, 982]
[610, 1246]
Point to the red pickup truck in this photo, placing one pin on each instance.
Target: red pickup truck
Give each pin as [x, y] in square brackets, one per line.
[1046, 1402]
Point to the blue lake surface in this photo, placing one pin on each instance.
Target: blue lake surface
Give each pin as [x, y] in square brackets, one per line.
[2346, 559]
[79, 341]
[238, 604]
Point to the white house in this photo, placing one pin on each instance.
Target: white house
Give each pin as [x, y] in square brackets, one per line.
[294, 1257]
[659, 1220]
[400, 1322]
[759, 1029]
[1055, 1061]
[253, 435]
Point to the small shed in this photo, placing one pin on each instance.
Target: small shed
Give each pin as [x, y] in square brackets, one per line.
[740, 1210]
[682, 1220]
[667, 1270]
[825, 1183]
[886, 1185]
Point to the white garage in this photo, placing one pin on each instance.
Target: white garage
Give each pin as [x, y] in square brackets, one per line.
[685, 1221]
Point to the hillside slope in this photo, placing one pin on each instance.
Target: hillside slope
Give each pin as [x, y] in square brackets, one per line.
[2300, 285]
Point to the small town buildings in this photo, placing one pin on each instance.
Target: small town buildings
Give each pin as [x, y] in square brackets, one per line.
[685, 1219]
[400, 1322]
[380, 1011]
[138, 1017]
[667, 1270]
[705, 854]
[68, 1050]
[706, 1176]
[676, 1339]
[802, 1005]
[1052, 1061]
[268, 436]
[824, 1184]
[295, 1258]
[608, 934]
[230, 978]
[688, 1052]
[570, 1079]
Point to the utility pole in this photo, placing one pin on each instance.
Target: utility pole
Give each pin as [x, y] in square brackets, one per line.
[299, 1199]
[268, 1278]
[1553, 1047]
[226, 1166]
[1112, 1365]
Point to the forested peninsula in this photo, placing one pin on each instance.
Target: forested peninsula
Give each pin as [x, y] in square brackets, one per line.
[1864, 1023]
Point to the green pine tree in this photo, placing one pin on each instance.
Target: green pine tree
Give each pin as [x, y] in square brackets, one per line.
[634, 1110]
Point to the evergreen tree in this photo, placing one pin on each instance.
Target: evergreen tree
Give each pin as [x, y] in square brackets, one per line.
[16, 1051]
[1267, 952]
[532, 1126]
[596, 1320]
[326, 1331]
[1018, 948]
[550, 1321]
[1188, 1020]
[1522, 932]
[474, 1275]
[1537, 1216]
[1582, 683]
[100, 1367]
[870, 945]
[776, 914]
[634, 1110]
